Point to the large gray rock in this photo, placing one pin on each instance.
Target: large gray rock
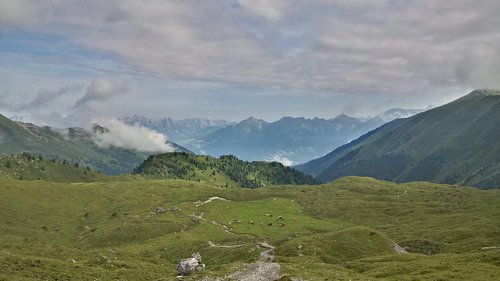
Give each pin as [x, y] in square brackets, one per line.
[190, 265]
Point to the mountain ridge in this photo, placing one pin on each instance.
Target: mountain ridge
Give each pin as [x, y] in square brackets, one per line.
[454, 143]
[227, 169]
[71, 144]
[293, 139]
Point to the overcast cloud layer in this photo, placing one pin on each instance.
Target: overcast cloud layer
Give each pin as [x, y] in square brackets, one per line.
[182, 58]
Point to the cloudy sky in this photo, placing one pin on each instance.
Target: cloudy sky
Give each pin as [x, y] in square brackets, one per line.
[64, 62]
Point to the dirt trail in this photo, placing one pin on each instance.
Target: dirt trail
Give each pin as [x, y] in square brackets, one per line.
[200, 217]
[266, 255]
[212, 244]
[265, 269]
[398, 249]
[210, 200]
[259, 271]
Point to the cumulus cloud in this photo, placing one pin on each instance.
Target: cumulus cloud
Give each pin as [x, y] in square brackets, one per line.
[281, 159]
[115, 133]
[100, 90]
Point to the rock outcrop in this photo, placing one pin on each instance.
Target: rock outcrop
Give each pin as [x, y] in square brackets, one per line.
[190, 265]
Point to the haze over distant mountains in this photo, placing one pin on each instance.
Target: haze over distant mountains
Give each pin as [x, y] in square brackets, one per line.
[456, 143]
[179, 130]
[289, 140]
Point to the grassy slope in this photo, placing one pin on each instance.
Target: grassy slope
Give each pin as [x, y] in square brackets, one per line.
[228, 171]
[29, 167]
[74, 145]
[341, 231]
[455, 143]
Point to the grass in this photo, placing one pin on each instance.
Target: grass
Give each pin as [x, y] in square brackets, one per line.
[30, 167]
[227, 171]
[341, 231]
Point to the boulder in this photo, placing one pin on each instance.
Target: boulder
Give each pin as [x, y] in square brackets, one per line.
[190, 265]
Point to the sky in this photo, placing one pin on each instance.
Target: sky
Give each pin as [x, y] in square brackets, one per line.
[66, 62]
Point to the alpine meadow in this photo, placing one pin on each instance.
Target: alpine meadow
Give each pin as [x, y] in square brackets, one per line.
[249, 140]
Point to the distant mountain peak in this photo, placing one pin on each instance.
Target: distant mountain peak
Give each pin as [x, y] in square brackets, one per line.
[344, 117]
[254, 120]
[96, 128]
[397, 113]
[478, 94]
[178, 130]
[17, 118]
[487, 92]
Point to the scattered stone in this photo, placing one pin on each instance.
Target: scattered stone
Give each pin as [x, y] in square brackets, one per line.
[159, 210]
[190, 265]
[259, 271]
[398, 249]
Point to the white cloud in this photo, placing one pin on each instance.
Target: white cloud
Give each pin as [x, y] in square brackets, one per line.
[383, 47]
[46, 98]
[281, 159]
[119, 134]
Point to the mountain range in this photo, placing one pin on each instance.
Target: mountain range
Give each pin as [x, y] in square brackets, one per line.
[179, 131]
[457, 143]
[289, 140]
[64, 221]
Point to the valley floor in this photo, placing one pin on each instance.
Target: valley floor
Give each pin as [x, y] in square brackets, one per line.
[351, 229]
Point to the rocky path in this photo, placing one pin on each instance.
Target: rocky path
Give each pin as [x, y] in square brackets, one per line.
[264, 269]
[212, 244]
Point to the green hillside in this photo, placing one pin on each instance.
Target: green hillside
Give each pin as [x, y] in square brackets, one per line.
[226, 170]
[72, 145]
[31, 167]
[350, 229]
[456, 143]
